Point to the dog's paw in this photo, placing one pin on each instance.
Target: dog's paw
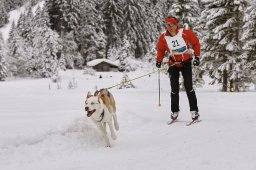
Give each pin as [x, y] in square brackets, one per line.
[108, 146]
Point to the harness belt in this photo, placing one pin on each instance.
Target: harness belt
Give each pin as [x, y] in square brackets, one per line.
[178, 62]
[108, 93]
[102, 116]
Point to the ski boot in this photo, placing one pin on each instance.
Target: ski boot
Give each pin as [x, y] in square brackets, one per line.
[194, 115]
[174, 115]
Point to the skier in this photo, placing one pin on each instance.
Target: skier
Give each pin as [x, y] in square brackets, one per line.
[176, 42]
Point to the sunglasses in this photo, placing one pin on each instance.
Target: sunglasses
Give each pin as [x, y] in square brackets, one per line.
[170, 25]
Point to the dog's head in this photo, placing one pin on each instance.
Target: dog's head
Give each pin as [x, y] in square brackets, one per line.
[92, 103]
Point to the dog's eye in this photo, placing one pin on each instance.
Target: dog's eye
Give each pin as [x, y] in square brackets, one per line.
[92, 103]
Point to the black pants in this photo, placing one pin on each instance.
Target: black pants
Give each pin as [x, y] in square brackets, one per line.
[174, 73]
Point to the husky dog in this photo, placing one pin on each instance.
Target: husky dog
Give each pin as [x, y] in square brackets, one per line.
[101, 108]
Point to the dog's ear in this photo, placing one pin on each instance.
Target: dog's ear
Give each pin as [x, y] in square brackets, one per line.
[88, 95]
[96, 93]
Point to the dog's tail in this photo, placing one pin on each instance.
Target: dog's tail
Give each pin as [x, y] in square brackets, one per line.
[113, 104]
[115, 122]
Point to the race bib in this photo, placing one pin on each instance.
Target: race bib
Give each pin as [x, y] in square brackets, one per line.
[176, 44]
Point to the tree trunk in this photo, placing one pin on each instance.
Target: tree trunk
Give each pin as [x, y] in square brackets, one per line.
[231, 86]
[237, 87]
[231, 82]
[225, 81]
[254, 82]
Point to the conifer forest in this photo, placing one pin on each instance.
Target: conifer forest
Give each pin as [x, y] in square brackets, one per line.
[66, 34]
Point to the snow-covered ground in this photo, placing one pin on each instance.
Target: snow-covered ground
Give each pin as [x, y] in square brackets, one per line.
[48, 129]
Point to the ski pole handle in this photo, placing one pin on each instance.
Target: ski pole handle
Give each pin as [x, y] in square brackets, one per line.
[159, 103]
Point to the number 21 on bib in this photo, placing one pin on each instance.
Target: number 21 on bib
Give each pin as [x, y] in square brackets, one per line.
[176, 44]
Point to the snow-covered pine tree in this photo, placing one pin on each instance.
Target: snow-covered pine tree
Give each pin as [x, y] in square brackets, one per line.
[100, 43]
[71, 14]
[11, 4]
[3, 15]
[18, 53]
[46, 45]
[198, 72]
[155, 25]
[32, 3]
[24, 27]
[27, 26]
[248, 58]
[167, 7]
[151, 55]
[3, 64]
[91, 39]
[73, 58]
[135, 27]
[12, 31]
[223, 46]
[113, 18]
[187, 11]
[124, 55]
[154, 19]
[55, 15]
[20, 24]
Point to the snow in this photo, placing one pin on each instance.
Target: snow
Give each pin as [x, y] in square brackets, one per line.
[98, 61]
[48, 129]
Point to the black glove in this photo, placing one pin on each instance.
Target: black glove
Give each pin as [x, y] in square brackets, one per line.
[171, 59]
[158, 64]
[196, 61]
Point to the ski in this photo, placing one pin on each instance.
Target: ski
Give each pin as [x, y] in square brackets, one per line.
[193, 122]
[172, 121]
[187, 124]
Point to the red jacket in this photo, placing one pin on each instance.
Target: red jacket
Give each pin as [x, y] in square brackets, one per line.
[190, 39]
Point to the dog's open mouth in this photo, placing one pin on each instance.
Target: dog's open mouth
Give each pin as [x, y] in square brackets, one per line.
[89, 113]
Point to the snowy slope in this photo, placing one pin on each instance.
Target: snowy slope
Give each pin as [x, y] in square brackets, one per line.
[14, 17]
[48, 129]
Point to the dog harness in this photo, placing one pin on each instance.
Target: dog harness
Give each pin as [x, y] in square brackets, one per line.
[108, 93]
[102, 116]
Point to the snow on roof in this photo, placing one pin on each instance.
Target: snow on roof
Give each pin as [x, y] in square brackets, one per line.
[98, 61]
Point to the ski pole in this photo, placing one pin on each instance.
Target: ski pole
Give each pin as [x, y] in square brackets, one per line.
[159, 104]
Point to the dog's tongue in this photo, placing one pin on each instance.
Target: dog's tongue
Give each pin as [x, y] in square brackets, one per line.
[89, 113]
